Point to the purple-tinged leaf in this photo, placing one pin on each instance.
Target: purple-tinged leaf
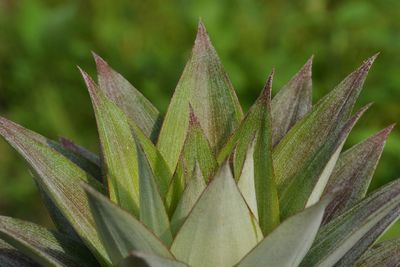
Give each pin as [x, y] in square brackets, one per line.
[60, 178]
[120, 232]
[347, 237]
[43, 246]
[10, 257]
[386, 253]
[302, 155]
[136, 107]
[79, 150]
[197, 149]
[292, 102]
[118, 149]
[205, 85]
[353, 173]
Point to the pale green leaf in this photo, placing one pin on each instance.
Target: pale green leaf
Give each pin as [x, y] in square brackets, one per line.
[353, 173]
[118, 149]
[120, 231]
[10, 257]
[60, 178]
[136, 107]
[386, 253]
[152, 210]
[139, 259]
[289, 242]
[205, 85]
[219, 230]
[291, 103]
[45, 247]
[176, 187]
[194, 188]
[302, 155]
[345, 239]
[246, 183]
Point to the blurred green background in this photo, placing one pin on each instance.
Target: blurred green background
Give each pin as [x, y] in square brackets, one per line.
[41, 42]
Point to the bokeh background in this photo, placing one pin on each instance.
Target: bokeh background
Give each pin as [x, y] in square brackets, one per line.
[41, 42]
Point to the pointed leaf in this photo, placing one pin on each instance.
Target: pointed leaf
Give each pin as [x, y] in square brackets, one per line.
[243, 135]
[289, 242]
[120, 231]
[305, 157]
[10, 257]
[353, 172]
[197, 149]
[195, 187]
[246, 183]
[136, 107]
[79, 150]
[118, 149]
[220, 230]
[60, 179]
[382, 254]
[292, 102]
[346, 238]
[139, 259]
[205, 85]
[152, 209]
[176, 188]
[43, 246]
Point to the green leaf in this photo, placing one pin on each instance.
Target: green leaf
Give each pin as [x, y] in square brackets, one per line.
[10, 257]
[305, 151]
[289, 242]
[382, 254]
[60, 179]
[120, 231]
[152, 210]
[162, 174]
[136, 107]
[219, 230]
[139, 259]
[194, 188]
[292, 102]
[353, 172]
[197, 149]
[243, 136]
[176, 188]
[205, 85]
[45, 247]
[118, 149]
[345, 239]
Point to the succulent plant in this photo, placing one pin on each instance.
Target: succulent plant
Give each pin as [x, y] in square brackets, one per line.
[206, 185]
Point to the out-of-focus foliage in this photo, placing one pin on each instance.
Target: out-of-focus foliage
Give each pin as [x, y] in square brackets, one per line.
[41, 41]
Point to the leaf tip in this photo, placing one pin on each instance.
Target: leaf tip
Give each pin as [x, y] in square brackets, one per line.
[266, 93]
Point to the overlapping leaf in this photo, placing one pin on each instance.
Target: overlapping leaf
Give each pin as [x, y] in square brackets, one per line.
[137, 108]
[194, 188]
[344, 239]
[288, 244]
[353, 173]
[60, 178]
[220, 230]
[386, 253]
[205, 85]
[303, 154]
[138, 259]
[45, 247]
[11, 257]
[120, 232]
[152, 210]
[291, 103]
[81, 151]
[197, 149]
